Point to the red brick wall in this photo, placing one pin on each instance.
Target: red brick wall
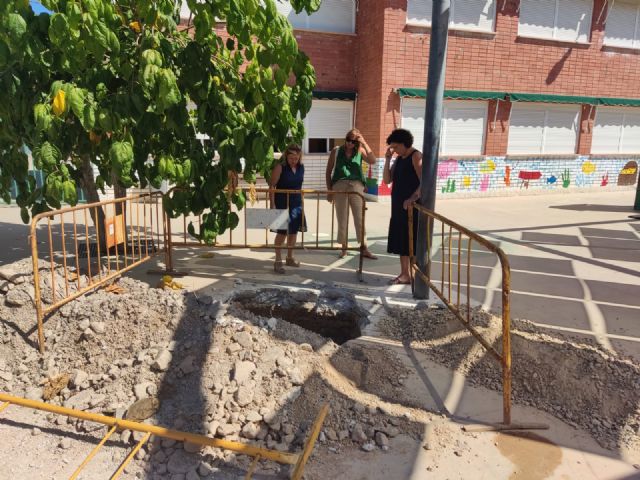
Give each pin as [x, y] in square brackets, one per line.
[504, 62]
[585, 134]
[371, 110]
[333, 56]
[497, 133]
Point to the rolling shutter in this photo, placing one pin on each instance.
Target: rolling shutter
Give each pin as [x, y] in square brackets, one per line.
[565, 20]
[473, 14]
[623, 25]
[616, 130]
[561, 129]
[537, 18]
[413, 119]
[631, 132]
[419, 12]
[573, 20]
[607, 130]
[465, 14]
[543, 129]
[329, 119]
[336, 16]
[463, 125]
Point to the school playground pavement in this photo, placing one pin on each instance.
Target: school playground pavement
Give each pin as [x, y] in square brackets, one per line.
[575, 263]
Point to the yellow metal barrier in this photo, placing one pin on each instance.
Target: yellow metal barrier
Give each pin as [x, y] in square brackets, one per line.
[126, 233]
[299, 460]
[130, 231]
[450, 229]
[319, 227]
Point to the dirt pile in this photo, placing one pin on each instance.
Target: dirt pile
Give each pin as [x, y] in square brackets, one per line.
[194, 363]
[581, 384]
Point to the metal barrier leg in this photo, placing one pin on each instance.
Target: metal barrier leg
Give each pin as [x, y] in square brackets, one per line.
[130, 456]
[311, 441]
[93, 453]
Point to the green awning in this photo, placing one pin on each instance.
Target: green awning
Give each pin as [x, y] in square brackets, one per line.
[623, 102]
[544, 98]
[452, 94]
[521, 97]
[334, 95]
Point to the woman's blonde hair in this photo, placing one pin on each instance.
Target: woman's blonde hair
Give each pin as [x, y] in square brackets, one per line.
[354, 132]
[292, 148]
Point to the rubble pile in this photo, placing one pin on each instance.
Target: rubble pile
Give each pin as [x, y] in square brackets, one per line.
[582, 384]
[194, 363]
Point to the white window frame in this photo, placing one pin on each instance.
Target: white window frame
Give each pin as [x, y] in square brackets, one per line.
[623, 133]
[426, 22]
[635, 41]
[283, 9]
[445, 149]
[555, 29]
[340, 130]
[531, 108]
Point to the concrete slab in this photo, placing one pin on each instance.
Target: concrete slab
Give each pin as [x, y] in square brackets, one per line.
[561, 281]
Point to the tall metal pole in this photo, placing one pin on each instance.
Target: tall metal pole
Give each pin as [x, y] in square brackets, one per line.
[432, 125]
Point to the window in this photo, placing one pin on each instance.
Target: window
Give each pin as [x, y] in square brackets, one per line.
[336, 16]
[564, 20]
[326, 124]
[465, 14]
[616, 130]
[543, 129]
[463, 125]
[623, 25]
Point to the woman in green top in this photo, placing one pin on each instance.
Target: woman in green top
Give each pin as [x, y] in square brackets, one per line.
[344, 174]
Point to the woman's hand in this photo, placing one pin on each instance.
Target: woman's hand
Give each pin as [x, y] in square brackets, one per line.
[410, 201]
[388, 154]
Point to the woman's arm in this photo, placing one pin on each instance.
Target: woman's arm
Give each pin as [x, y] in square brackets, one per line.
[329, 172]
[416, 160]
[387, 172]
[366, 151]
[330, 164]
[273, 181]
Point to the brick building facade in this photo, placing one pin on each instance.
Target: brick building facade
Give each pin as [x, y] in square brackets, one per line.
[579, 58]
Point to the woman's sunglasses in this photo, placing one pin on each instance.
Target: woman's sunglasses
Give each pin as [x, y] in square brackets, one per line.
[351, 140]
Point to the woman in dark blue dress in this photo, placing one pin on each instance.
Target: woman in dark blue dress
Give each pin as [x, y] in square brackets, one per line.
[288, 175]
[405, 175]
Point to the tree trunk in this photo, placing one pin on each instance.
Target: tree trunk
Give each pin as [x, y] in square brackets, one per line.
[88, 184]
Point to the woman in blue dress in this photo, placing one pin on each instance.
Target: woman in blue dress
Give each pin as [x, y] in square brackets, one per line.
[404, 174]
[288, 175]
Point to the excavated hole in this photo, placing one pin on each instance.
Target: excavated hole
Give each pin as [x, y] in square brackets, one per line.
[331, 313]
[336, 327]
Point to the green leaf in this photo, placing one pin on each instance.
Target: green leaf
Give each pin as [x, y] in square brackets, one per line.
[239, 199]
[88, 119]
[5, 54]
[75, 100]
[70, 192]
[58, 29]
[15, 26]
[152, 57]
[168, 91]
[47, 156]
[121, 156]
[24, 215]
[42, 116]
[233, 220]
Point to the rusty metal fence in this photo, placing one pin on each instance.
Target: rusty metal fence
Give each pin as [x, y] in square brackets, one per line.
[78, 249]
[297, 460]
[320, 233]
[455, 247]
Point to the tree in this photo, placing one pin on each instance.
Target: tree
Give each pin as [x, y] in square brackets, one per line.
[120, 85]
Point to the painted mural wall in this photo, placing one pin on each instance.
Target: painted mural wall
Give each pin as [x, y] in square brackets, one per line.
[504, 175]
